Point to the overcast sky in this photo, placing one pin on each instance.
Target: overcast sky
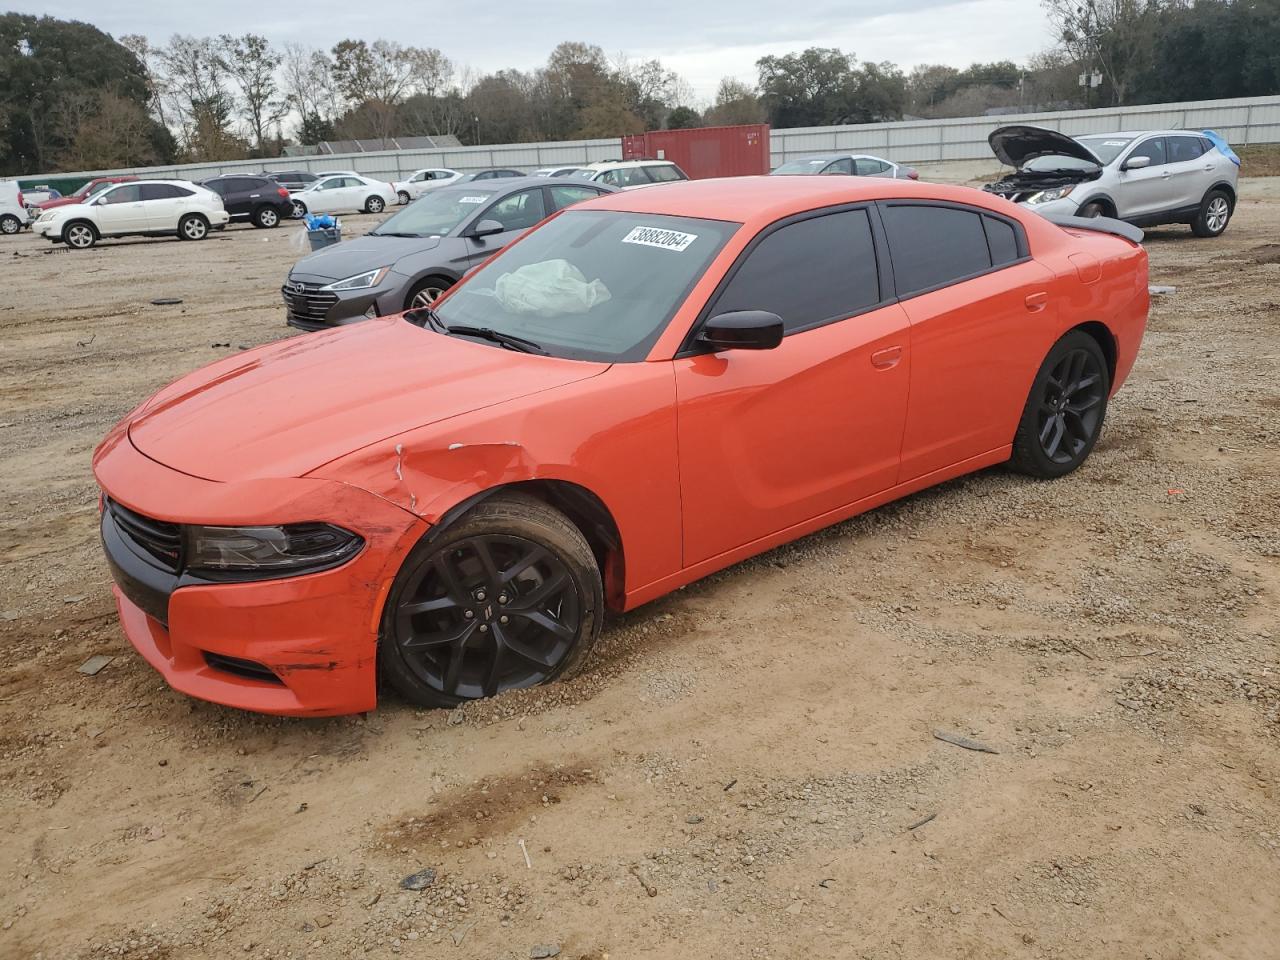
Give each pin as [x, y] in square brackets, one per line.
[703, 40]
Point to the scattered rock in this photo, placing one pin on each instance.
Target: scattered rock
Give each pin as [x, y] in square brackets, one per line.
[93, 666]
[543, 951]
[420, 880]
[961, 741]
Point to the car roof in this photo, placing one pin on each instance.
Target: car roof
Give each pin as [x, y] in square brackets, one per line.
[836, 156]
[1130, 134]
[500, 184]
[621, 164]
[764, 199]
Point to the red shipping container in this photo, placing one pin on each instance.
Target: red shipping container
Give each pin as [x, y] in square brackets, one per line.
[701, 152]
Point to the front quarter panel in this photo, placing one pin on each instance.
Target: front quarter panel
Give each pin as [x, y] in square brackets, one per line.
[613, 434]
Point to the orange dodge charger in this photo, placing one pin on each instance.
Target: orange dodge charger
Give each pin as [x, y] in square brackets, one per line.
[644, 389]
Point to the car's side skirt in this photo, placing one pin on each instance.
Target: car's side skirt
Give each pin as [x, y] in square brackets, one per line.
[657, 588]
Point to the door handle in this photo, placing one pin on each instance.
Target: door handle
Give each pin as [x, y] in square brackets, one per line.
[1036, 301]
[1208, 168]
[886, 358]
[1164, 175]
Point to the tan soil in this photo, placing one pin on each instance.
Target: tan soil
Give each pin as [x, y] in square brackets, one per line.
[737, 773]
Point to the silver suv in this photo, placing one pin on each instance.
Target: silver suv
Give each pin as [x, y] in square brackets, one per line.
[1147, 178]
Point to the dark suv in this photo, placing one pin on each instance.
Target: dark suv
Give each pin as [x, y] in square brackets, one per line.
[260, 200]
[292, 179]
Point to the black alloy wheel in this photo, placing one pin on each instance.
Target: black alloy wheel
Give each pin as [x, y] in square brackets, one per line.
[507, 598]
[1065, 410]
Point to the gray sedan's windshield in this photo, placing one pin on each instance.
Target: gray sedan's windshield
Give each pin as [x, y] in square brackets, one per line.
[436, 214]
[590, 284]
[811, 165]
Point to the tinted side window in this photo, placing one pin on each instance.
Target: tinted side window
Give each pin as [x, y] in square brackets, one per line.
[129, 193]
[823, 268]
[844, 165]
[518, 211]
[933, 246]
[869, 168]
[665, 174]
[1002, 241]
[1182, 149]
[161, 191]
[565, 196]
[217, 186]
[1153, 148]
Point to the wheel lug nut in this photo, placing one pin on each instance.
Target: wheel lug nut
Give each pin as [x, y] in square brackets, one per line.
[469, 614]
[503, 598]
[484, 628]
[480, 596]
[502, 619]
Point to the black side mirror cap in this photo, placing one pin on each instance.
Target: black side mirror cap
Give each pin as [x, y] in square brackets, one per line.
[486, 228]
[742, 330]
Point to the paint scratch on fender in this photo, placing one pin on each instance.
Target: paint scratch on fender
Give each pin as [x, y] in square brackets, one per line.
[400, 462]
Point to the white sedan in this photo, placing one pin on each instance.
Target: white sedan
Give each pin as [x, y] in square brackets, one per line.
[159, 208]
[345, 193]
[420, 181]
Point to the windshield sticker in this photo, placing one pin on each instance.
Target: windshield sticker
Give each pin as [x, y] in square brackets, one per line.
[658, 237]
[473, 199]
[1114, 143]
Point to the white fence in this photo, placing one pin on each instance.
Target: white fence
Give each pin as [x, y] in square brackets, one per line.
[1241, 121]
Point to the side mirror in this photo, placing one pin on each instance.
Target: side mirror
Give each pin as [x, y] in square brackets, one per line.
[742, 330]
[487, 228]
[1137, 163]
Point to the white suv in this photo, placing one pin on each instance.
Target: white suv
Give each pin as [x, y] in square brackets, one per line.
[157, 208]
[630, 174]
[420, 181]
[13, 211]
[1147, 178]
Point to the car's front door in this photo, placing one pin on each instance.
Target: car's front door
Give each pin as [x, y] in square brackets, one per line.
[978, 306]
[121, 210]
[1144, 190]
[770, 439]
[516, 212]
[329, 197]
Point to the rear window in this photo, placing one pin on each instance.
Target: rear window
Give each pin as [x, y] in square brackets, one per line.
[591, 284]
[934, 246]
[1002, 241]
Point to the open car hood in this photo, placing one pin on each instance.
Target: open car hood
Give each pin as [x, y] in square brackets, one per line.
[1017, 143]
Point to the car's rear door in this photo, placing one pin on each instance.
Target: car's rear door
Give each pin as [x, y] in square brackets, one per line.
[1146, 190]
[770, 439]
[1191, 174]
[163, 205]
[980, 309]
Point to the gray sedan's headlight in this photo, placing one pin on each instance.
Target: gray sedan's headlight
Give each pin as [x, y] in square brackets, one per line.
[268, 551]
[361, 281]
[1044, 196]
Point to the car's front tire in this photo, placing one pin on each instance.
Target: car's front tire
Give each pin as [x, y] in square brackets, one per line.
[266, 217]
[1065, 409]
[1092, 209]
[193, 227]
[426, 292]
[375, 205]
[9, 224]
[1214, 215]
[79, 234]
[299, 209]
[507, 597]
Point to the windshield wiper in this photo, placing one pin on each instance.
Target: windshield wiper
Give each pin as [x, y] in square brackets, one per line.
[388, 233]
[507, 340]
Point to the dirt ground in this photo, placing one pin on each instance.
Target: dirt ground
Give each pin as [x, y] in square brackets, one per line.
[748, 769]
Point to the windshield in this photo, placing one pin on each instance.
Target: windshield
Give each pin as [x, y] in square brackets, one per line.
[810, 165]
[1106, 148]
[436, 214]
[1059, 162]
[591, 284]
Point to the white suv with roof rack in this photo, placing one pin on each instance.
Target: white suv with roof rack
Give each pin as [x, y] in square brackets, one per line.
[630, 174]
[137, 208]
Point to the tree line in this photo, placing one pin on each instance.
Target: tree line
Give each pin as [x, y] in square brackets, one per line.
[74, 98]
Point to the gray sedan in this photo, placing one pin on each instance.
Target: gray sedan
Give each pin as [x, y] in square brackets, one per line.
[851, 164]
[414, 256]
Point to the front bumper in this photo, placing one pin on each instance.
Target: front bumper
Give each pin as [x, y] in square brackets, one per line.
[307, 307]
[298, 646]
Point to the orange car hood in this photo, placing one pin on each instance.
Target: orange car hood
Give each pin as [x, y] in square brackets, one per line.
[287, 408]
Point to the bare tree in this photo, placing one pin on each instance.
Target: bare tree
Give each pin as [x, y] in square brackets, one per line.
[195, 89]
[251, 63]
[1115, 37]
[310, 91]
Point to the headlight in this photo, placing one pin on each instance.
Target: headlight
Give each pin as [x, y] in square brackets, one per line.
[1044, 196]
[361, 281]
[294, 548]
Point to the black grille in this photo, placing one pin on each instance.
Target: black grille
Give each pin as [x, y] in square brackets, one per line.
[160, 539]
[306, 302]
[249, 669]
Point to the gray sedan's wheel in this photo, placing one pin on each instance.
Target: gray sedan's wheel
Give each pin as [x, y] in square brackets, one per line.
[193, 227]
[10, 224]
[1215, 212]
[79, 235]
[374, 205]
[427, 292]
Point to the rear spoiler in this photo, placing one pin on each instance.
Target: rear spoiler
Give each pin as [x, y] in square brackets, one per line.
[1117, 228]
